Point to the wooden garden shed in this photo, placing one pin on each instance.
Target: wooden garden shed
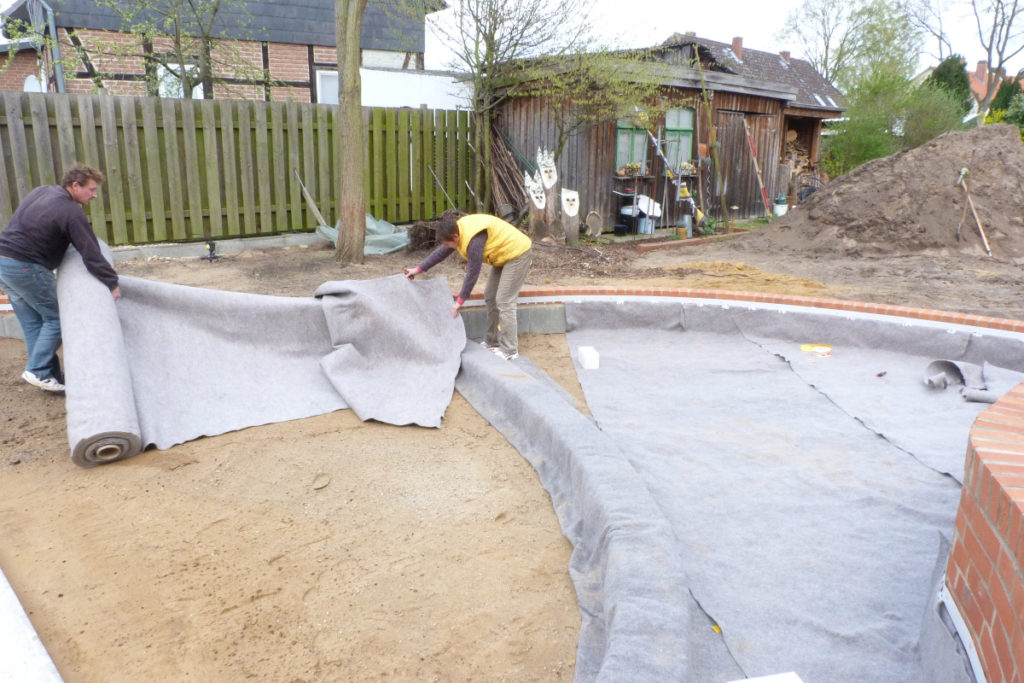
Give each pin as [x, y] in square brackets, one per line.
[709, 109]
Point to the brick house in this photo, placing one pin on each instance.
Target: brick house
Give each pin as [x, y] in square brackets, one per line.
[290, 40]
[978, 80]
[22, 73]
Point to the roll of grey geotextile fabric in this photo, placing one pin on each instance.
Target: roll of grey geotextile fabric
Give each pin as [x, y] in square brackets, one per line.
[167, 363]
[103, 425]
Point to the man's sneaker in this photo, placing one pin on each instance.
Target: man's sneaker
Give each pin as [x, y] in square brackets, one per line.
[488, 346]
[507, 356]
[48, 384]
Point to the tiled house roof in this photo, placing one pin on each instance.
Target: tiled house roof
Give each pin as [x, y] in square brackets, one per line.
[299, 22]
[812, 91]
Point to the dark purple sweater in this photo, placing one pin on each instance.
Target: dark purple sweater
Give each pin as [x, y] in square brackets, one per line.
[45, 223]
[475, 254]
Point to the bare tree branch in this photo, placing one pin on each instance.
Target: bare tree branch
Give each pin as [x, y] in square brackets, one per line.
[1000, 28]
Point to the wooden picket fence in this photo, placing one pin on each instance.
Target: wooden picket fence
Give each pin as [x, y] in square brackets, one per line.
[181, 170]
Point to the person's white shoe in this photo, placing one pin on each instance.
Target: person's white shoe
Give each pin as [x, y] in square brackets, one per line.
[507, 356]
[48, 384]
[488, 346]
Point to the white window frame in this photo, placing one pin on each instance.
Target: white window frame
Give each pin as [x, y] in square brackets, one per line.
[321, 90]
[169, 85]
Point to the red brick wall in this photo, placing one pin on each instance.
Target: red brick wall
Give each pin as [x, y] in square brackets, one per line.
[325, 55]
[111, 52]
[22, 65]
[985, 574]
[287, 94]
[288, 62]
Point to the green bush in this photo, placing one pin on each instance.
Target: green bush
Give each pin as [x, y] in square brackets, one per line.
[951, 77]
[887, 114]
[1007, 91]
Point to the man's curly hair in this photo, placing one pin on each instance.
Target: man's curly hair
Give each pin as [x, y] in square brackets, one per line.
[81, 173]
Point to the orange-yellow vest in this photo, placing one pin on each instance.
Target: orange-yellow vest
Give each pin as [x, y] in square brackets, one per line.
[504, 241]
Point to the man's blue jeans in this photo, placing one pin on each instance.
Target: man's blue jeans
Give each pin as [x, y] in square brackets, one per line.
[32, 289]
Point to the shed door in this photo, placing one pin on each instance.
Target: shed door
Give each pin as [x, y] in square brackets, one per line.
[738, 177]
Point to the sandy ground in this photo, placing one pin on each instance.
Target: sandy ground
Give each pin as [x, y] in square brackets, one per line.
[314, 550]
[328, 549]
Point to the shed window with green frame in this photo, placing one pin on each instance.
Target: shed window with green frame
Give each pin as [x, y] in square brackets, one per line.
[630, 143]
[678, 136]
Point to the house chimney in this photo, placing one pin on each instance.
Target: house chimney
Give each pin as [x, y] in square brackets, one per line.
[785, 55]
[982, 71]
[737, 47]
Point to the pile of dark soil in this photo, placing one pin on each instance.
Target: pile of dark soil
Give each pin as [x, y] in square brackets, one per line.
[909, 202]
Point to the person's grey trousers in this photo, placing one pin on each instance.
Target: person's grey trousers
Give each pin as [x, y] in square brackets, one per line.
[503, 285]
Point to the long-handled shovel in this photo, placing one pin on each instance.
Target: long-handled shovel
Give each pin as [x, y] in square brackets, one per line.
[970, 203]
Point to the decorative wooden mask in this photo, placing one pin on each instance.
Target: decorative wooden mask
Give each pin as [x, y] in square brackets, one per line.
[570, 202]
[546, 163]
[535, 188]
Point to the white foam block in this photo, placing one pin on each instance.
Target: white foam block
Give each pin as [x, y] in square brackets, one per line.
[788, 677]
[588, 357]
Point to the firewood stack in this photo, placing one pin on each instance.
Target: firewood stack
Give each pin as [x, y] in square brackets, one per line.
[796, 155]
[510, 197]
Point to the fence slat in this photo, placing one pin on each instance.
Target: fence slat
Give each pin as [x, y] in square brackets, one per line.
[390, 163]
[7, 201]
[324, 152]
[114, 169]
[263, 170]
[91, 156]
[19, 147]
[172, 151]
[416, 164]
[296, 215]
[462, 157]
[139, 231]
[195, 219]
[212, 168]
[65, 132]
[229, 165]
[279, 166]
[152, 162]
[404, 181]
[247, 168]
[377, 159]
[440, 144]
[308, 167]
[451, 136]
[40, 121]
[429, 186]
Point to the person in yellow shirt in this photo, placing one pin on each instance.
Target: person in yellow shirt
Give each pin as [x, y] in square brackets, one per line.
[481, 238]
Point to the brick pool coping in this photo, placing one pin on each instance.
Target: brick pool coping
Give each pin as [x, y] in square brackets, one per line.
[985, 571]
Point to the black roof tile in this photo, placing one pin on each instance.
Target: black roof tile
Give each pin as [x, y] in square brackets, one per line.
[298, 22]
[812, 90]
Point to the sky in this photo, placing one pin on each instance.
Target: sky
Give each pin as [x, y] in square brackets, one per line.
[642, 23]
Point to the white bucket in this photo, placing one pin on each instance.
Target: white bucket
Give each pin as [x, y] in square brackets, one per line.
[779, 209]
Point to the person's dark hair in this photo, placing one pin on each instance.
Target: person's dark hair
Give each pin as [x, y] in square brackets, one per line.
[447, 224]
[80, 173]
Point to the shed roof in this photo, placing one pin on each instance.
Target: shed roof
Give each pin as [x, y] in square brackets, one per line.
[811, 90]
[299, 22]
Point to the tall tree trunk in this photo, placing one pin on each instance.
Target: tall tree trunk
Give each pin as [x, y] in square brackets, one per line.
[488, 185]
[348, 20]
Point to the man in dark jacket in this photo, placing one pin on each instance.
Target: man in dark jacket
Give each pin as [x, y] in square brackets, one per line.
[48, 219]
